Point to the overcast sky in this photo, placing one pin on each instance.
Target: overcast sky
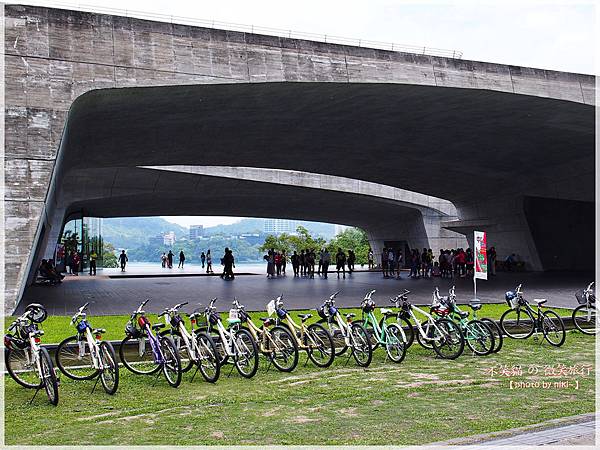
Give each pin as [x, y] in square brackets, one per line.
[544, 34]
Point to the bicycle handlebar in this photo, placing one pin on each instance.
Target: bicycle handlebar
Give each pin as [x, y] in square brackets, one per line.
[368, 296]
[334, 295]
[237, 304]
[589, 288]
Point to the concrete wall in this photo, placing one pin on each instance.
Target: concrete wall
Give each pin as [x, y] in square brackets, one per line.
[53, 56]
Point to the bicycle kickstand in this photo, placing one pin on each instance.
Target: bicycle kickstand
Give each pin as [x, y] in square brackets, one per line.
[96, 383]
[158, 373]
[348, 358]
[231, 371]
[195, 372]
[36, 392]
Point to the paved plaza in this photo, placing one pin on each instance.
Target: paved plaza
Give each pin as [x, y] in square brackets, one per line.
[112, 293]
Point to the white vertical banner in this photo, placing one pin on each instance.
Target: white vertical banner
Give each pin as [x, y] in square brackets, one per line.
[481, 269]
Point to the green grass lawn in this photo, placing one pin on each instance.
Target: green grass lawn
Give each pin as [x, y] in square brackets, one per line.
[56, 328]
[423, 399]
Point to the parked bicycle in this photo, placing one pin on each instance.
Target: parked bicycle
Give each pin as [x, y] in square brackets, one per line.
[346, 333]
[584, 316]
[27, 362]
[479, 336]
[273, 341]
[86, 356]
[521, 320]
[314, 338]
[390, 336]
[440, 334]
[233, 342]
[145, 353]
[195, 348]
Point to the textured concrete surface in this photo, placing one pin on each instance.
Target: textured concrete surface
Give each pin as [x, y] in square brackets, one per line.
[54, 56]
[122, 295]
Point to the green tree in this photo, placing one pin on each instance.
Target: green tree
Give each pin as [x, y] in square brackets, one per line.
[351, 239]
[302, 240]
[109, 258]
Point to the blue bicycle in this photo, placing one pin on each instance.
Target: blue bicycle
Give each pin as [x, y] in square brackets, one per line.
[145, 353]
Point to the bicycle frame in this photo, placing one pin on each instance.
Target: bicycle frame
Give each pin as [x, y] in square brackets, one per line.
[92, 341]
[295, 328]
[430, 320]
[227, 338]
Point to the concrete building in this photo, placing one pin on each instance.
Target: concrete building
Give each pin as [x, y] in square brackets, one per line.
[196, 231]
[99, 109]
[169, 238]
[278, 226]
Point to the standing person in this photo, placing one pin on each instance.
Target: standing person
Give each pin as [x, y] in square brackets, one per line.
[209, 268]
[398, 263]
[170, 259]
[326, 261]
[430, 258]
[69, 262]
[203, 259]
[278, 263]
[351, 260]
[270, 259]
[229, 263]
[123, 260]
[295, 263]
[310, 262]
[302, 262]
[491, 255]
[469, 262]
[93, 258]
[424, 258]
[340, 262]
[371, 259]
[75, 263]
[283, 262]
[384, 261]
[391, 262]
[442, 263]
[163, 260]
[320, 262]
[181, 259]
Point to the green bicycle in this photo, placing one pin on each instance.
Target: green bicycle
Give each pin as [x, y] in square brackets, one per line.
[479, 337]
[389, 336]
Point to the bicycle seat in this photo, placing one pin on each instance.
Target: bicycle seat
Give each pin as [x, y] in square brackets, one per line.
[386, 312]
[158, 326]
[304, 316]
[463, 314]
[194, 315]
[350, 315]
[264, 319]
[231, 321]
[475, 306]
[98, 331]
[540, 301]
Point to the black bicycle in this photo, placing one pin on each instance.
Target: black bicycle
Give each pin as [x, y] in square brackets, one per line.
[584, 316]
[521, 320]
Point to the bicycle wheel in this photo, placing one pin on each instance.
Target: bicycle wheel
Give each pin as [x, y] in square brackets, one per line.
[395, 346]
[182, 349]
[109, 375]
[136, 354]
[429, 330]
[283, 349]
[553, 328]
[74, 359]
[208, 362]
[584, 319]
[407, 328]
[49, 376]
[320, 346]
[246, 353]
[21, 367]
[479, 337]
[517, 323]
[361, 347]
[339, 340]
[172, 364]
[498, 337]
[449, 341]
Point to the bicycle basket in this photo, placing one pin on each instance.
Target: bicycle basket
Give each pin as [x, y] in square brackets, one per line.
[321, 312]
[132, 331]
[511, 299]
[243, 315]
[11, 341]
[281, 313]
[38, 312]
[213, 318]
[332, 310]
[368, 306]
[25, 330]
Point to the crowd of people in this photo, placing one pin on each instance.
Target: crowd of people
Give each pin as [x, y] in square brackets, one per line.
[303, 264]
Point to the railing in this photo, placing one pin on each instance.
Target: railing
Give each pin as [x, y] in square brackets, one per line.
[421, 50]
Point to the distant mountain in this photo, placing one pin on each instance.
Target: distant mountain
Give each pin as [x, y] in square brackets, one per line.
[243, 226]
[128, 232]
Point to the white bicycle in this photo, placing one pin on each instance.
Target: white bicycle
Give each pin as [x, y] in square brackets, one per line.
[196, 347]
[584, 316]
[86, 356]
[234, 342]
[27, 362]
